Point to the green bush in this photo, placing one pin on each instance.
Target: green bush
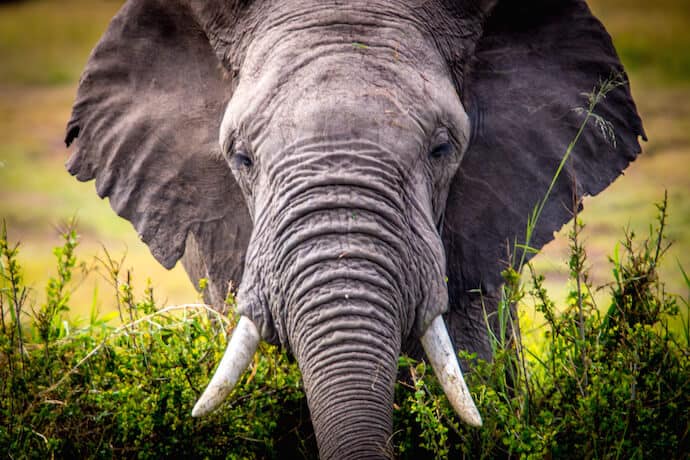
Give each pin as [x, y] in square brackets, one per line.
[71, 390]
[610, 383]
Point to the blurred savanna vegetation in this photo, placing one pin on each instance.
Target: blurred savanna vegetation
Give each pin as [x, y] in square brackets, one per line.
[612, 386]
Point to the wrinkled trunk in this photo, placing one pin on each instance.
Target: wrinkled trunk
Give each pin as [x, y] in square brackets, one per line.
[342, 258]
[333, 276]
[343, 321]
[342, 270]
[348, 360]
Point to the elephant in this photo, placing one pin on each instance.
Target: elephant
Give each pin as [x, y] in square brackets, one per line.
[359, 170]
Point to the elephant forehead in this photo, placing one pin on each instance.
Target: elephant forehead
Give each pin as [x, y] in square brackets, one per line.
[343, 94]
[349, 106]
[348, 37]
[347, 70]
[293, 30]
[333, 113]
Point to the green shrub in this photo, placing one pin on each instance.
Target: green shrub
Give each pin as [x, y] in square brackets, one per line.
[71, 390]
[611, 384]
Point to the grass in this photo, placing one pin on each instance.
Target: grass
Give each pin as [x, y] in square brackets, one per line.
[38, 77]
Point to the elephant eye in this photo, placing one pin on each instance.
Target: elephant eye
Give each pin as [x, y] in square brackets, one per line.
[442, 150]
[242, 159]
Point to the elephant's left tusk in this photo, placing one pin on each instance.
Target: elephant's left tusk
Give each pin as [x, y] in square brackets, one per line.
[239, 353]
[442, 357]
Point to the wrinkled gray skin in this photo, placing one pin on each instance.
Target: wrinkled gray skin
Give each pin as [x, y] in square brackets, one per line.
[373, 161]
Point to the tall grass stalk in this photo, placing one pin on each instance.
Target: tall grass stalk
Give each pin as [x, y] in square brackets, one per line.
[512, 292]
[12, 290]
[594, 97]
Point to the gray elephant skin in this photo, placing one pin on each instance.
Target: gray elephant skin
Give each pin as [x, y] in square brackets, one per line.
[358, 169]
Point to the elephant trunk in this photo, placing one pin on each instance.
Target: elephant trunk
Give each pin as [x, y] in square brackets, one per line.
[348, 361]
[346, 311]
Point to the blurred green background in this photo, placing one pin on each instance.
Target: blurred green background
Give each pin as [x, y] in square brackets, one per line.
[45, 44]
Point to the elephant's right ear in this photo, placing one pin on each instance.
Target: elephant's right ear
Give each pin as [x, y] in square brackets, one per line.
[146, 121]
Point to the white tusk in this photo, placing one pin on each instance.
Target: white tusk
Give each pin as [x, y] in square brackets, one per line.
[441, 354]
[239, 353]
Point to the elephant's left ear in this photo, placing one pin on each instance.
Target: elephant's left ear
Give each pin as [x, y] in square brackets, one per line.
[526, 93]
[146, 122]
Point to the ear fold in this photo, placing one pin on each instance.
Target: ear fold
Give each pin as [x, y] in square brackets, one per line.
[532, 65]
[147, 116]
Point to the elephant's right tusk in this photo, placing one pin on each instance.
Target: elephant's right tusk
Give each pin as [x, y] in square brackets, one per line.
[239, 353]
[442, 357]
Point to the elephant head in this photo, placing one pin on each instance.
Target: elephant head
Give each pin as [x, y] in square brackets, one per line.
[356, 167]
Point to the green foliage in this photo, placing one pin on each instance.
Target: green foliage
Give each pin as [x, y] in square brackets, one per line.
[609, 383]
[423, 421]
[76, 390]
[47, 318]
